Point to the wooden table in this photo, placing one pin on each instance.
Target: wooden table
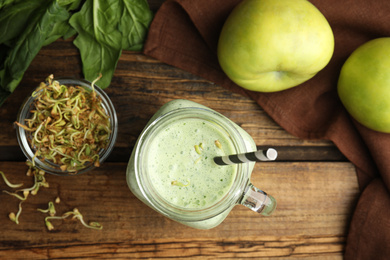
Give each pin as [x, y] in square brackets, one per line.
[315, 186]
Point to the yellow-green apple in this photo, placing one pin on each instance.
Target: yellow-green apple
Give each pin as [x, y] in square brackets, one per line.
[364, 84]
[272, 45]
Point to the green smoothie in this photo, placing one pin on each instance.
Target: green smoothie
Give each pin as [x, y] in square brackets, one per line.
[181, 167]
[172, 170]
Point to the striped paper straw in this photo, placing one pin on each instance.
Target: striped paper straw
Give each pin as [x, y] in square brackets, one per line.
[259, 156]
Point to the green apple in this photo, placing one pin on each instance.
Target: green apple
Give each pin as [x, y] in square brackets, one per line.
[364, 84]
[272, 45]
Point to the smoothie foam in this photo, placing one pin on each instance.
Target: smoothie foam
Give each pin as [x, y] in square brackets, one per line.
[181, 167]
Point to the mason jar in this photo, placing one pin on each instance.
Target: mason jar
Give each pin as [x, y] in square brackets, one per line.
[171, 168]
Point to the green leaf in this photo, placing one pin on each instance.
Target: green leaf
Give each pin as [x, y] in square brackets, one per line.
[70, 4]
[106, 19]
[94, 40]
[63, 29]
[105, 28]
[14, 18]
[135, 22]
[39, 28]
[60, 29]
[4, 3]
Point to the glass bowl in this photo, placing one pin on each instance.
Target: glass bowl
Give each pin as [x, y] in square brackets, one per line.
[47, 165]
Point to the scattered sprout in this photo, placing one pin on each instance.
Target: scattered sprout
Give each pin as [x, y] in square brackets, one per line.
[76, 215]
[9, 184]
[40, 181]
[49, 225]
[25, 194]
[96, 225]
[50, 209]
[12, 217]
[15, 218]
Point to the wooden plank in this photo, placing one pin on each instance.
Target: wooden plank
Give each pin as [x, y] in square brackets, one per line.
[315, 203]
[249, 247]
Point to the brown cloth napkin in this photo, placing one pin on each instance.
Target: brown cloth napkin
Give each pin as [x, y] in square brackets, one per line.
[184, 33]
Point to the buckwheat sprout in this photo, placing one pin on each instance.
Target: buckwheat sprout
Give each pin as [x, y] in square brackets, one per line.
[76, 215]
[32, 187]
[25, 194]
[37, 132]
[64, 119]
[39, 181]
[15, 218]
[59, 113]
[93, 225]
[8, 183]
[50, 209]
[48, 224]
[81, 152]
[30, 129]
[12, 217]
[36, 154]
[93, 85]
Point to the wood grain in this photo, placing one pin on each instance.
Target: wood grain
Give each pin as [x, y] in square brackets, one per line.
[315, 201]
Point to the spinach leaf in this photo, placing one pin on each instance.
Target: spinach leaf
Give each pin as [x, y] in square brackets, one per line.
[104, 29]
[135, 23]
[106, 15]
[4, 3]
[41, 25]
[70, 4]
[94, 40]
[14, 18]
[63, 29]
[60, 29]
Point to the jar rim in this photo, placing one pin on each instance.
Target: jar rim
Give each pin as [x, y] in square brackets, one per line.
[50, 167]
[186, 214]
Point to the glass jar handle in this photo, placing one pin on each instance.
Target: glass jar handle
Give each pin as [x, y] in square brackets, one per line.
[258, 200]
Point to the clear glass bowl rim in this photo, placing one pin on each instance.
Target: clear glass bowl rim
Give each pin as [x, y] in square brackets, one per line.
[24, 112]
